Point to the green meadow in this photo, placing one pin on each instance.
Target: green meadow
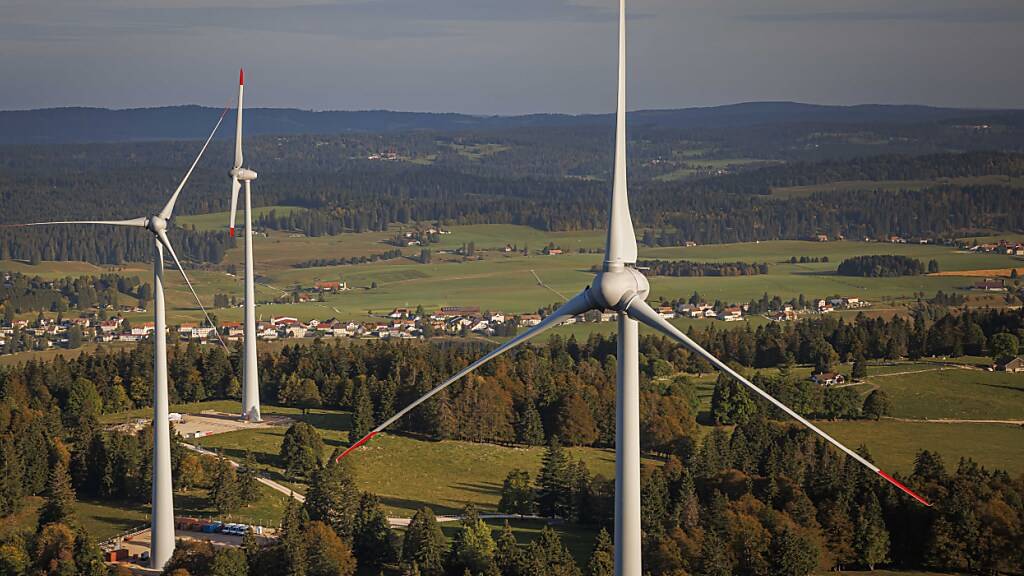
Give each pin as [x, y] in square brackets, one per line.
[501, 281]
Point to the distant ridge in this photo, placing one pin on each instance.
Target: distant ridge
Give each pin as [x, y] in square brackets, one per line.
[77, 125]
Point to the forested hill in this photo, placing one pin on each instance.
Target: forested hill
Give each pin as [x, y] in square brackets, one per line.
[71, 125]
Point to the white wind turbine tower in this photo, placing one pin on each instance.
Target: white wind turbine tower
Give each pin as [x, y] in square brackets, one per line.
[162, 519]
[250, 370]
[621, 288]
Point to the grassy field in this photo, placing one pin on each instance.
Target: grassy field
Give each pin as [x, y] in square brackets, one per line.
[407, 473]
[894, 444]
[219, 220]
[894, 185]
[505, 282]
[953, 393]
[105, 519]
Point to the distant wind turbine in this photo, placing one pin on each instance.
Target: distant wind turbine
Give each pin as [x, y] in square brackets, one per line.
[162, 520]
[250, 371]
[621, 288]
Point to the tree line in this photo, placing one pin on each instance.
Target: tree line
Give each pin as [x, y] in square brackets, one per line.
[21, 293]
[357, 196]
[882, 266]
[320, 262]
[688, 268]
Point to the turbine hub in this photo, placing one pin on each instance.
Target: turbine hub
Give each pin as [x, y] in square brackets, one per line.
[243, 174]
[156, 224]
[617, 287]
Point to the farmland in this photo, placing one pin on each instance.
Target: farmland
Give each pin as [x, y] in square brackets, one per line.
[501, 281]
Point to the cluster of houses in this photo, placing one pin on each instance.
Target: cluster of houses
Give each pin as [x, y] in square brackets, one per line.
[1001, 247]
[46, 333]
[705, 310]
[990, 285]
[821, 306]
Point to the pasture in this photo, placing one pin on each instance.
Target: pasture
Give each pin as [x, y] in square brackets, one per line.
[953, 393]
[506, 282]
[408, 473]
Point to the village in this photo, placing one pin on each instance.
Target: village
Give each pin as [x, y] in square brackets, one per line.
[399, 323]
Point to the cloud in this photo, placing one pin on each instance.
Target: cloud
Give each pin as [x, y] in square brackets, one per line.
[976, 15]
[351, 18]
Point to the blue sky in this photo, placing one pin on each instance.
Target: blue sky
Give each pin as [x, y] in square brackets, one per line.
[508, 56]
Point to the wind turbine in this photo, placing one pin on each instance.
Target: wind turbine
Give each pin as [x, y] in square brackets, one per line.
[250, 371]
[621, 288]
[162, 519]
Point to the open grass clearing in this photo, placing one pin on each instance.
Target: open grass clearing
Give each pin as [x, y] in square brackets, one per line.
[894, 444]
[954, 393]
[219, 220]
[408, 473]
[895, 185]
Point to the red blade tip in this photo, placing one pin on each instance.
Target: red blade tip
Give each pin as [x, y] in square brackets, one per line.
[231, 231]
[241, 76]
[903, 487]
[352, 448]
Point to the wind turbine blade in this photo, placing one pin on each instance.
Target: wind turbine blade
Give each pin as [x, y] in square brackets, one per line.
[235, 186]
[642, 312]
[135, 222]
[621, 244]
[167, 244]
[169, 208]
[238, 120]
[577, 305]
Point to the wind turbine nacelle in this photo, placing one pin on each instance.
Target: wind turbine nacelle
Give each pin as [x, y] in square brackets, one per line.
[156, 224]
[243, 174]
[615, 289]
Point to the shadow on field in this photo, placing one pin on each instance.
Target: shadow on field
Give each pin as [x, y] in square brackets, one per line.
[405, 503]
[485, 488]
[327, 421]
[1005, 387]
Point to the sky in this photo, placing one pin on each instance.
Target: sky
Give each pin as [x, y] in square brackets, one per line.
[508, 56]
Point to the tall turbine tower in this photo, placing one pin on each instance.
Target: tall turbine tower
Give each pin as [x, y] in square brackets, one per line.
[162, 518]
[621, 288]
[250, 371]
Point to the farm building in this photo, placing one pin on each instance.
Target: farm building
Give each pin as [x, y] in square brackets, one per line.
[828, 379]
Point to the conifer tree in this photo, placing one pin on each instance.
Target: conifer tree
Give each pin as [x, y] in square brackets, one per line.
[473, 547]
[554, 484]
[373, 541]
[871, 538]
[292, 540]
[602, 560]
[248, 485]
[88, 558]
[425, 545]
[529, 428]
[59, 506]
[507, 555]
[792, 554]
[333, 498]
[225, 490]
[714, 560]
[556, 558]
[362, 414]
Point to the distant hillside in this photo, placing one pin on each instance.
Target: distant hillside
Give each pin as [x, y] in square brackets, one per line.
[76, 125]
